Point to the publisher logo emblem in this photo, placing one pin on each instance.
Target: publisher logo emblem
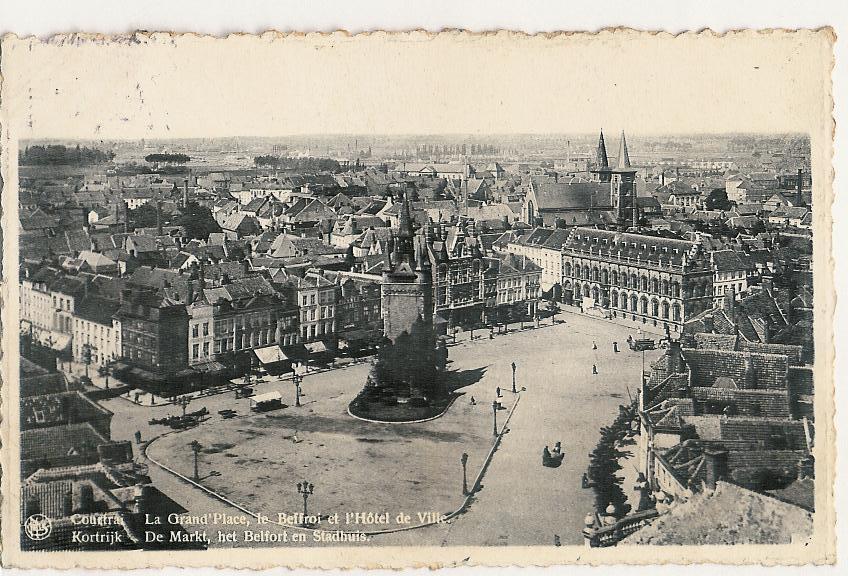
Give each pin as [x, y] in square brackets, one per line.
[38, 527]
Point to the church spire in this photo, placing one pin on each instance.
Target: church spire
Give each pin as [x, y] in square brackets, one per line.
[601, 160]
[623, 156]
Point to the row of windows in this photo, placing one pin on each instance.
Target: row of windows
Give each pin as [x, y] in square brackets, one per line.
[624, 280]
[317, 329]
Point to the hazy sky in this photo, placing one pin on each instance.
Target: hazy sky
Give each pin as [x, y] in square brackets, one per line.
[416, 84]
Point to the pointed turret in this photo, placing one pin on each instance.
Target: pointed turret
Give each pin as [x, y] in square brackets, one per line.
[405, 243]
[601, 159]
[623, 156]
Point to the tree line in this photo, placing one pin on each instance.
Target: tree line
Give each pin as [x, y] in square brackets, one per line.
[304, 164]
[56, 155]
[169, 158]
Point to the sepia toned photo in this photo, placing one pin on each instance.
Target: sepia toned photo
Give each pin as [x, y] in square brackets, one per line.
[396, 300]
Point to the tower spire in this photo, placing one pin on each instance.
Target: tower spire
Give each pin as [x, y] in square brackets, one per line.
[405, 238]
[623, 156]
[601, 160]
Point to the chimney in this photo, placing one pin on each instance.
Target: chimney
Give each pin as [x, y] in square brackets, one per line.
[68, 503]
[662, 178]
[141, 498]
[767, 283]
[86, 498]
[674, 357]
[750, 373]
[715, 460]
[729, 302]
[799, 198]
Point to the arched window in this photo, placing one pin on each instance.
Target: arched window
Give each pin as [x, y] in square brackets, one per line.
[595, 276]
[675, 289]
[623, 299]
[614, 278]
[665, 310]
[586, 272]
[675, 313]
[665, 287]
[643, 305]
[655, 308]
[595, 294]
[644, 283]
[655, 285]
[567, 269]
[613, 299]
[604, 276]
[633, 302]
[585, 290]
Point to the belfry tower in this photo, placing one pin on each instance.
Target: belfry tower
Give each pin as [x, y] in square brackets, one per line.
[623, 188]
[406, 292]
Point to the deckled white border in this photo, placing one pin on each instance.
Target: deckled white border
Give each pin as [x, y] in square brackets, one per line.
[34, 17]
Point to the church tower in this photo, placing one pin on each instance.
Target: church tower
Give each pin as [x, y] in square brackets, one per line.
[406, 292]
[601, 170]
[623, 187]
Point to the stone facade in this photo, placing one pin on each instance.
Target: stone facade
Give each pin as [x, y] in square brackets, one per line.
[654, 280]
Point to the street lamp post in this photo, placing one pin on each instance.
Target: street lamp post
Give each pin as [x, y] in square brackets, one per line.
[464, 461]
[514, 391]
[195, 447]
[297, 379]
[495, 417]
[305, 489]
[183, 401]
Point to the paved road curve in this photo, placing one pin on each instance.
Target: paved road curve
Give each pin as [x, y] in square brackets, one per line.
[520, 502]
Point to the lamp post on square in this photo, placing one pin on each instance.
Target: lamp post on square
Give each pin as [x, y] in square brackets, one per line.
[297, 379]
[514, 391]
[305, 489]
[464, 460]
[495, 417]
[195, 447]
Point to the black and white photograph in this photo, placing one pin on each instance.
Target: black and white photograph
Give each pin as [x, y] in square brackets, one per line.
[446, 292]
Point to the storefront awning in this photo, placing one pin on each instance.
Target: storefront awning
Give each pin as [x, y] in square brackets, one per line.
[356, 335]
[316, 347]
[270, 354]
[267, 397]
[209, 366]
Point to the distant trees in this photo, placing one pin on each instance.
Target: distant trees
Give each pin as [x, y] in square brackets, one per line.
[198, 221]
[305, 164]
[142, 217]
[604, 463]
[717, 200]
[56, 155]
[167, 158]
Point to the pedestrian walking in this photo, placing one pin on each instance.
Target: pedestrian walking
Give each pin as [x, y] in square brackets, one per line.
[594, 345]
[498, 390]
[594, 369]
[615, 347]
[138, 436]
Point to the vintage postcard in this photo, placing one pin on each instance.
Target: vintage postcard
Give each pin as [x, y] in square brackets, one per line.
[412, 299]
